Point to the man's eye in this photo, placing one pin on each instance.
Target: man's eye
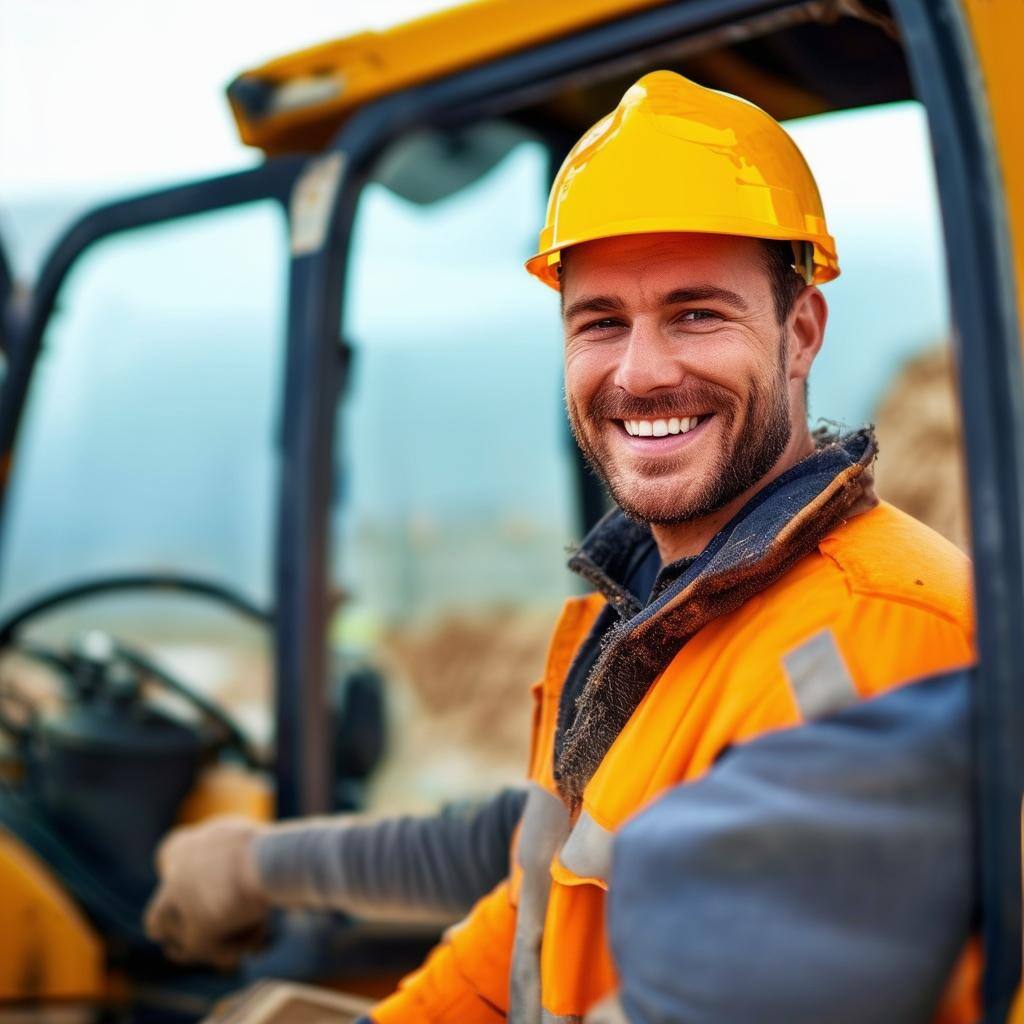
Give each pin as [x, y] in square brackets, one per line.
[605, 324]
[696, 315]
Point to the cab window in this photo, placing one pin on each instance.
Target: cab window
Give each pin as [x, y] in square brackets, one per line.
[149, 443]
[457, 494]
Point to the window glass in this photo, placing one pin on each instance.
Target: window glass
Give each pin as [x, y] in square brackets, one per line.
[149, 436]
[456, 467]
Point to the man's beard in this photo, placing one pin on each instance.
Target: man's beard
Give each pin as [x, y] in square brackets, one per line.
[749, 451]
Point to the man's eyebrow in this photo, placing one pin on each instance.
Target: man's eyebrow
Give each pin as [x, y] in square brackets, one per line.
[702, 293]
[592, 304]
[694, 293]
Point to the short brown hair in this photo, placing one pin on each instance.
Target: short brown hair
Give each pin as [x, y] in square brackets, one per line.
[785, 281]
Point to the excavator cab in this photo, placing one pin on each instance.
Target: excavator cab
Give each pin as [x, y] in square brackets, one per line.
[258, 429]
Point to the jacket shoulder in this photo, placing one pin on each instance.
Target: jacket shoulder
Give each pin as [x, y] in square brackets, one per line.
[888, 554]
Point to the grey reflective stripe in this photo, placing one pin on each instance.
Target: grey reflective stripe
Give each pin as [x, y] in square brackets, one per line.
[819, 677]
[608, 1011]
[545, 824]
[588, 850]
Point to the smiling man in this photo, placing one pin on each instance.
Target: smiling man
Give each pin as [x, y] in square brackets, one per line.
[747, 581]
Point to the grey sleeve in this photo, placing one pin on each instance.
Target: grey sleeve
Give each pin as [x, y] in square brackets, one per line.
[406, 868]
[823, 873]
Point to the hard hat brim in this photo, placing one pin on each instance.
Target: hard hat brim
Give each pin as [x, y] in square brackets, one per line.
[544, 264]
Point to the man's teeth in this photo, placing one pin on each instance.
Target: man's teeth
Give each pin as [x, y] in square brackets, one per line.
[659, 428]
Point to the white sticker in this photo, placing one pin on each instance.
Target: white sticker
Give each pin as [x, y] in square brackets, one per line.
[312, 202]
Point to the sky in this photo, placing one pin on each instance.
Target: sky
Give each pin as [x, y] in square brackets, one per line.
[96, 94]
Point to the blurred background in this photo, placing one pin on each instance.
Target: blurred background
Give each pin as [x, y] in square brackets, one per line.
[150, 434]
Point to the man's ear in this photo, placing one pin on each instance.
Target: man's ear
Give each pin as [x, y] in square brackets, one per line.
[805, 331]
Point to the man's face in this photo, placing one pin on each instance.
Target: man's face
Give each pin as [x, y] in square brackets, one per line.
[676, 370]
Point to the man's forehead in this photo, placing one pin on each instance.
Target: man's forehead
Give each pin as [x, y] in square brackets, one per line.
[658, 262]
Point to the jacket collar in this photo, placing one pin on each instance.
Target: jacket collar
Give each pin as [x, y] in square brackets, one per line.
[775, 529]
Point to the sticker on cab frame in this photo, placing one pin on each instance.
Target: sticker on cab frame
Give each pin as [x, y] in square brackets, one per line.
[312, 202]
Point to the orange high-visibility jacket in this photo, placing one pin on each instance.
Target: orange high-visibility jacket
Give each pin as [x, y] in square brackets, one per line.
[882, 600]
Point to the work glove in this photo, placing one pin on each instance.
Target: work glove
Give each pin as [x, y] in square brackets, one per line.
[209, 906]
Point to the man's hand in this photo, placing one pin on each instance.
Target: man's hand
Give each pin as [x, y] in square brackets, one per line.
[210, 905]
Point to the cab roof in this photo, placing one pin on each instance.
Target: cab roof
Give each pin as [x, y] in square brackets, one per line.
[805, 60]
[295, 103]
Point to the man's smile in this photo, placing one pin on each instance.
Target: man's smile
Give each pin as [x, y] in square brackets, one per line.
[662, 427]
[666, 434]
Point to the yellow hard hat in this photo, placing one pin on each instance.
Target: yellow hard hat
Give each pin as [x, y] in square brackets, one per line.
[674, 156]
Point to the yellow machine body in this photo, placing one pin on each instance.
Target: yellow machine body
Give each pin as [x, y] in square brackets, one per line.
[228, 789]
[48, 951]
[996, 27]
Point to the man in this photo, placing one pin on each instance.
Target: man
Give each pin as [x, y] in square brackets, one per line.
[748, 581]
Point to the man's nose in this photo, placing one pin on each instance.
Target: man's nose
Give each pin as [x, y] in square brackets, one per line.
[648, 362]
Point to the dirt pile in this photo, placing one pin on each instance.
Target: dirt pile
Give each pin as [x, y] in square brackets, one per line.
[459, 689]
[920, 466]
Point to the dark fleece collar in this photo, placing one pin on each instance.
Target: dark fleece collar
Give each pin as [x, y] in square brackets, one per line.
[775, 529]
